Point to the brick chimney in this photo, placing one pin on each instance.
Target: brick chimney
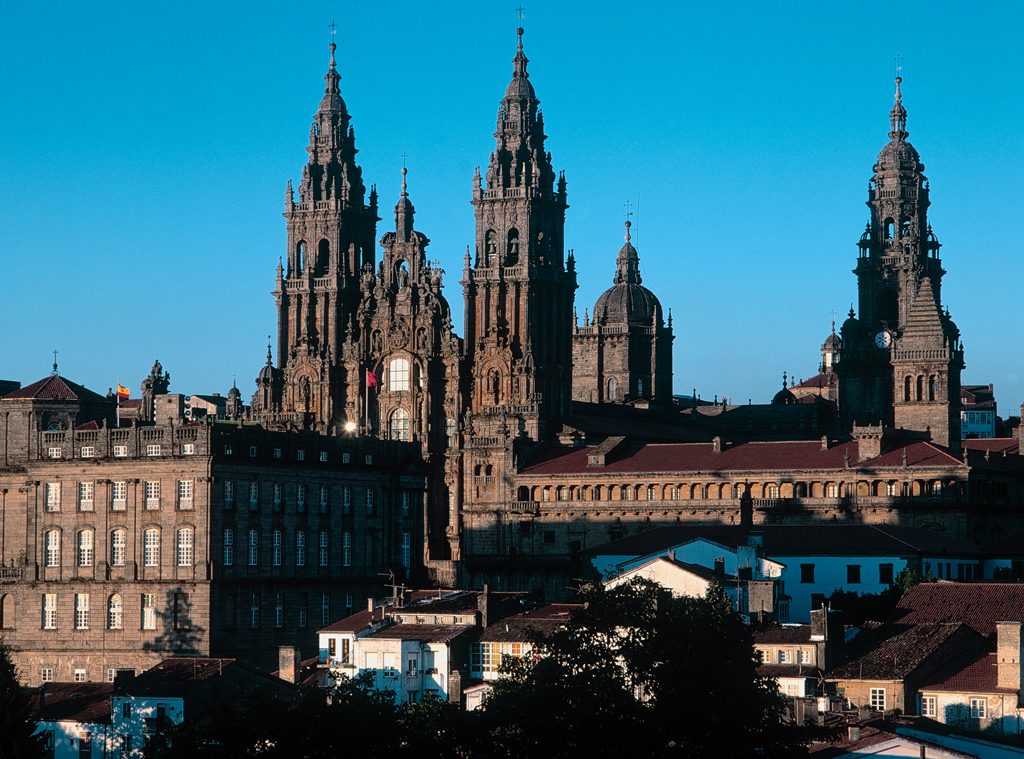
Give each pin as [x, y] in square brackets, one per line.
[1008, 655]
[869, 441]
[288, 664]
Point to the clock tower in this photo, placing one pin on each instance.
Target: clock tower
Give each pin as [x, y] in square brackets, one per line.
[902, 354]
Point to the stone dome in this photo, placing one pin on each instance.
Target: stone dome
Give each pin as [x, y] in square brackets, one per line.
[627, 304]
[899, 153]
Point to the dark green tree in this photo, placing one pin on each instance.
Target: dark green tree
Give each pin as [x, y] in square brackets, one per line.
[639, 673]
[17, 728]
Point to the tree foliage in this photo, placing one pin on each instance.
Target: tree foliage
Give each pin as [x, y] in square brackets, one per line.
[17, 728]
[636, 673]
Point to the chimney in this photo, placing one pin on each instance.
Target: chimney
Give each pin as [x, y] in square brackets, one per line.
[1008, 655]
[719, 566]
[853, 733]
[716, 444]
[481, 605]
[369, 604]
[824, 442]
[869, 441]
[288, 664]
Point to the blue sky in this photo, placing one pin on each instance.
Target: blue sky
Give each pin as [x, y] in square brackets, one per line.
[144, 150]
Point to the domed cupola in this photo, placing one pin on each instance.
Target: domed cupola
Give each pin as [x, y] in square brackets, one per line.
[785, 396]
[627, 301]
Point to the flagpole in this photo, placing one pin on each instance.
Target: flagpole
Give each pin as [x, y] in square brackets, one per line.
[118, 395]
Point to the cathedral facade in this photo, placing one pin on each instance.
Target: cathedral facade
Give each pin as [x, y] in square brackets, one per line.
[367, 346]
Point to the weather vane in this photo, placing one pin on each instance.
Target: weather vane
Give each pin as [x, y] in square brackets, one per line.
[628, 205]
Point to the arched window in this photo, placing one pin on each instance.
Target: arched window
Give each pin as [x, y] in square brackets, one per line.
[277, 547]
[300, 257]
[931, 387]
[85, 548]
[513, 246]
[151, 547]
[185, 546]
[118, 547]
[325, 542]
[254, 548]
[490, 246]
[890, 229]
[300, 548]
[323, 258]
[613, 389]
[494, 386]
[115, 612]
[7, 616]
[524, 493]
[771, 490]
[229, 547]
[52, 543]
[398, 375]
[398, 425]
[906, 388]
[920, 387]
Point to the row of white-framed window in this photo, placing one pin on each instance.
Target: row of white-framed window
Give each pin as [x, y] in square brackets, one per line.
[85, 545]
[86, 492]
[323, 548]
[114, 611]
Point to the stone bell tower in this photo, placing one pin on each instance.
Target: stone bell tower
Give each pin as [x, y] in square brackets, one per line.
[902, 356]
[331, 231]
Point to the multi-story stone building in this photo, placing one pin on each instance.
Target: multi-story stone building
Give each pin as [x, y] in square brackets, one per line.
[121, 546]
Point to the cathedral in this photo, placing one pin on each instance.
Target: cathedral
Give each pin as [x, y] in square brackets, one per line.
[366, 346]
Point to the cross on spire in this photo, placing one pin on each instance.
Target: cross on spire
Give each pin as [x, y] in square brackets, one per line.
[628, 205]
[898, 61]
[54, 372]
[520, 15]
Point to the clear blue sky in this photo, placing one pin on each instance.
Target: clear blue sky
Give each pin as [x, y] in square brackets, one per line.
[145, 146]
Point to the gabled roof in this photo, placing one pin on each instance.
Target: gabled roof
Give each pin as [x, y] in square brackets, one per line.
[520, 628]
[979, 605]
[73, 702]
[705, 573]
[357, 622]
[895, 651]
[978, 674]
[783, 634]
[55, 388]
[788, 540]
[783, 456]
[425, 633]
[178, 677]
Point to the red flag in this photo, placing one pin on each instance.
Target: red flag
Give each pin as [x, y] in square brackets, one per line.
[371, 379]
[122, 392]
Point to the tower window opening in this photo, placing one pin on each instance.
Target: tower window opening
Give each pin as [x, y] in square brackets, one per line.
[905, 229]
[300, 257]
[490, 247]
[931, 388]
[513, 246]
[399, 425]
[890, 228]
[920, 388]
[323, 258]
[613, 389]
[906, 388]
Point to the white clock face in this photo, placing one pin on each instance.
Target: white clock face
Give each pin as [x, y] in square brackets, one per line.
[883, 339]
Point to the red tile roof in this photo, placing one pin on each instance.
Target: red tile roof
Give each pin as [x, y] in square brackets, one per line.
[73, 702]
[426, 633]
[55, 388]
[179, 676]
[822, 379]
[893, 651]
[993, 444]
[520, 628]
[972, 676]
[979, 605]
[356, 622]
[783, 634]
[786, 456]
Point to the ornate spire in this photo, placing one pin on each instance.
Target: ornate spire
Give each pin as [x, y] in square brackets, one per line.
[270, 357]
[404, 211]
[627, 265]
[898, 114]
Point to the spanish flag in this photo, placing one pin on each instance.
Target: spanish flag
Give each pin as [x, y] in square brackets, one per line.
[122, 392]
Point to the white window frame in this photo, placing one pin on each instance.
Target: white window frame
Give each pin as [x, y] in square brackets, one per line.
[149, 611]
[229, 547]
[119, 495]
[52, 493]
[54, 452]
[346, 549]
[118, 546]
[278, 494]
[405, 557]
[300, 497]
[325, 498]
[151, 547]
[120, 451]
[51, 548]
[188, 449]
[929, 706]
[154, 449]
[86, 495]
[115, 612]
[877, 699]
[323, 457]
[253, 547]
[81, 675]
[229, 494]
[49, 611]
[81, 611]
[254, 496]
[46, 674]
[346, 498]
[152, 494]
[85, 547]
[186, 494]
[185, 541]
[300, 548]
[88, 452]
[276, 541]
[324, 544]
[979, 708]
[399, 375]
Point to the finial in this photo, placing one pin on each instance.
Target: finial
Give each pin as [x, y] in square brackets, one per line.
[670, 318]
[628, 225]
[333, 46]
[785, 377]
[833, 321]
[405, 171]
[520, 15]
[850, 315]
[54, 372]
[898, 114]
[270, 358]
